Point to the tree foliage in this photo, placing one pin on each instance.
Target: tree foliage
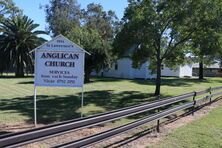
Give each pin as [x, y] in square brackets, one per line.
[91, 41]
[92, 28]
[206, 42]
[19, 36]
[106, 23]
[7, 7]
[160, 30]
[62, 15]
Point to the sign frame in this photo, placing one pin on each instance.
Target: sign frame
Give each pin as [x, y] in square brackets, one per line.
[42, 48]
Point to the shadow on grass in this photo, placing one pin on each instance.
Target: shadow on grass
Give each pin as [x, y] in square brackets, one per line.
[26, 82]
[56, 108]
[185, 82]
[49, 108]
[14, 77]
[166, 81]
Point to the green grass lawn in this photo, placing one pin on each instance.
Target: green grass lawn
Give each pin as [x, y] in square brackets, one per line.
[203, 133]
[103, 94]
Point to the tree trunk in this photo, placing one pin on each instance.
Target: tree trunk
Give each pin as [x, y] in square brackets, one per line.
[87, 76]
[158, 78]
[201, 76]
[158, 75]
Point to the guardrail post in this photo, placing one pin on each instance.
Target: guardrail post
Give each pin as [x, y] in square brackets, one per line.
[210, 91]
[158, 121]
[194, 102]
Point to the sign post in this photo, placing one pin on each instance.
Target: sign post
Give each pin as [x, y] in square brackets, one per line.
[59, 63]
[35, 112]
[82, 102]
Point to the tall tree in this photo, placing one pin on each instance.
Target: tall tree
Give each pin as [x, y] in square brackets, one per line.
[92, 28]
[19, 36]
[62, 15]
[7, 9]
[206, 42]
[206, 48]
[158, 29]
[100, 27]
[96, 35]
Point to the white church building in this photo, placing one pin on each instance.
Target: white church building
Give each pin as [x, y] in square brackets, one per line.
[123, 69]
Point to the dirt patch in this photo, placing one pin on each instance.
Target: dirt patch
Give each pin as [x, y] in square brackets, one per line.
[15, 127]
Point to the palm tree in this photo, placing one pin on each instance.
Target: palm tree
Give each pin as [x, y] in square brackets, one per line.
[17, 38]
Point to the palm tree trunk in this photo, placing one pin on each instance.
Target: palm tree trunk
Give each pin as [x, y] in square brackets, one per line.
[20, 67]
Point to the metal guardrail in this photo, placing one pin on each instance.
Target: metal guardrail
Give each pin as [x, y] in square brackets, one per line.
[34, 135]
[110, 133]
[216, 88]
[216, 94]
[30, 136]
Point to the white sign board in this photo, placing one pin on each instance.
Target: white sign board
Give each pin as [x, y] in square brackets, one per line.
[59, 63]
[65, 69]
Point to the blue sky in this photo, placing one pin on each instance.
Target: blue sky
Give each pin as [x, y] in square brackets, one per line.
[32, 9]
